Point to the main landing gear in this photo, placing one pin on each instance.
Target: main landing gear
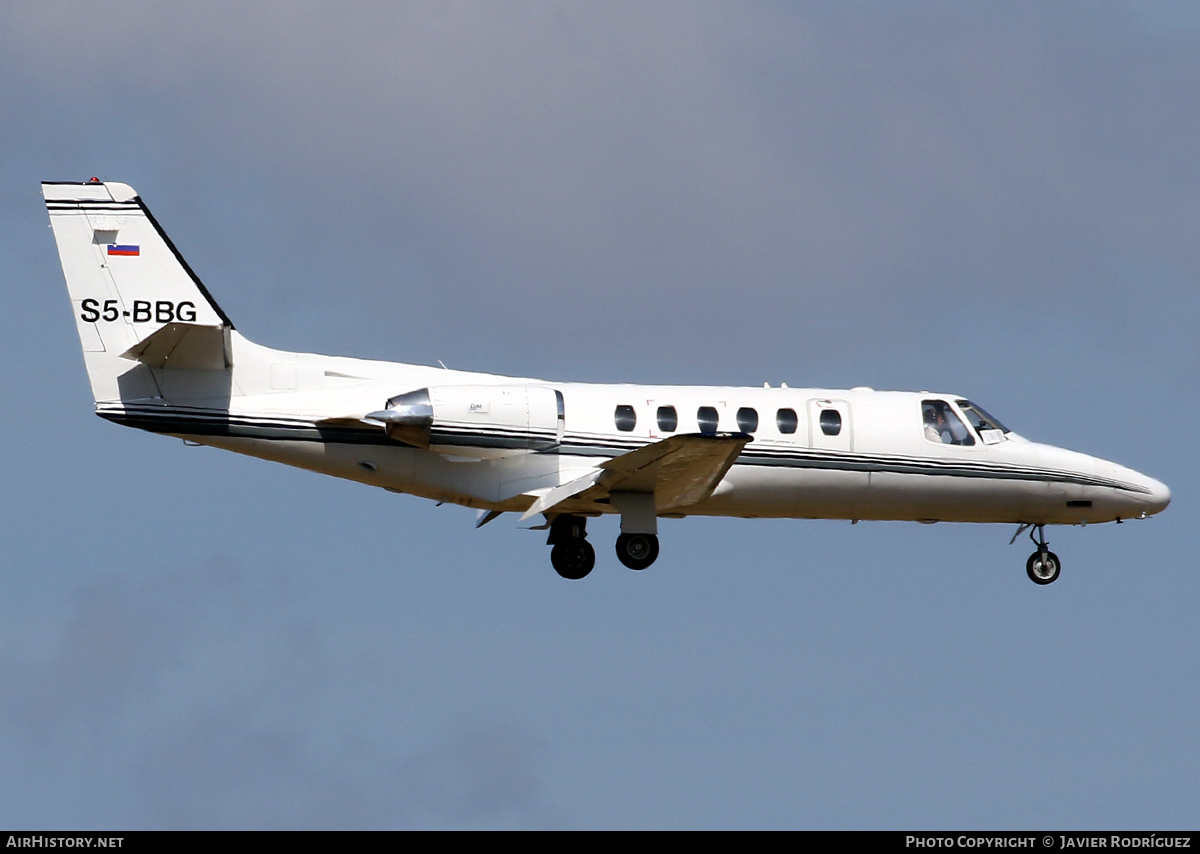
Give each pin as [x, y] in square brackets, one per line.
[1043, 565]
[573, 556]
[637, 551]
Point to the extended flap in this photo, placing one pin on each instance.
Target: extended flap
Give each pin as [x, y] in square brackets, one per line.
[679, 471]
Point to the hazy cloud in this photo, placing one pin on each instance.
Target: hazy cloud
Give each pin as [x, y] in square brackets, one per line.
[210, 690]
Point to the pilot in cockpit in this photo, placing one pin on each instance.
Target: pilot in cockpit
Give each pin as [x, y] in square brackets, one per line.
[936, 428]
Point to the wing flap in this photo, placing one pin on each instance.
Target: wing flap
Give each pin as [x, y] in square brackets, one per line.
[679, 471]
[558, 494]
[689, 474]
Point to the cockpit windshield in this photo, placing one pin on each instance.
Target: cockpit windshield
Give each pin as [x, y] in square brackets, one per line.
[979, 418]
[990, 430]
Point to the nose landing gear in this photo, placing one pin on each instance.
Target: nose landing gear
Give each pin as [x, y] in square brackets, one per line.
[1043, 565]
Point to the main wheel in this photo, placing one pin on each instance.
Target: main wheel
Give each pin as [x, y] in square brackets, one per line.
[1043, 567]
[637, 551]
[573, 558]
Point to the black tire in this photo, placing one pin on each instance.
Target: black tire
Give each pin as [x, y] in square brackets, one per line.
[1043, 567]
[637, 551]
[573, 558]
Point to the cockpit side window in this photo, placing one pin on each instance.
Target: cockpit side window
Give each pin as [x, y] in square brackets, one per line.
[942, 425]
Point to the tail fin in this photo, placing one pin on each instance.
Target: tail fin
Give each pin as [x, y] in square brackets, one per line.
[138, 305]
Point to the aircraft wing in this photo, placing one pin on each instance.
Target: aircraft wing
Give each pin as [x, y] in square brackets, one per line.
[679, 471]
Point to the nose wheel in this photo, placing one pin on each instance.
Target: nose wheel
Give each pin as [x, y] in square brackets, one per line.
[1043, 565]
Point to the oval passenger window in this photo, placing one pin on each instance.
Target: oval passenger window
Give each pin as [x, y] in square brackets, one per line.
[747, 419]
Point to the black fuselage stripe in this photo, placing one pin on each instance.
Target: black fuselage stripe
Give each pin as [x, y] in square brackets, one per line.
[278, 429]
[75, 207]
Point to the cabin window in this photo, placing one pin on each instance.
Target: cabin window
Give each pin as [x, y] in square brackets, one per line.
[831, 422]
[786, 420]
[625, 418]
[942, 425]
[706, 417]
[668, 419]
[747, 419]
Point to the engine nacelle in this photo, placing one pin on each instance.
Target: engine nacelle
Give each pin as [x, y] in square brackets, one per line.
[496, 418]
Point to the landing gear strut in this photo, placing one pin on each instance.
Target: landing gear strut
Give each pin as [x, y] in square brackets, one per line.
[1043, 565]
[637, 551]
[571, 554]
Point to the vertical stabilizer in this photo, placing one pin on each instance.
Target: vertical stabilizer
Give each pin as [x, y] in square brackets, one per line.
[138, 306]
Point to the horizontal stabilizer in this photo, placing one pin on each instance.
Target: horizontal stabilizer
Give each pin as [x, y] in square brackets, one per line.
[184, 345]
[483, 517]
[679, 471]
[351, 421]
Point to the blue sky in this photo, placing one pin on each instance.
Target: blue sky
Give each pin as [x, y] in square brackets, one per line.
[998, 200]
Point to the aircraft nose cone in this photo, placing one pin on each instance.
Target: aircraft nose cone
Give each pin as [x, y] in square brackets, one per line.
[1159, 497]
[1139, 494]
[1148, 497]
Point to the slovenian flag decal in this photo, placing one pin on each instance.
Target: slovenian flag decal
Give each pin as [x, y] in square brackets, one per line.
[116, 249]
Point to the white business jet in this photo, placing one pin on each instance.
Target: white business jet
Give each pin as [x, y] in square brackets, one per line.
[162, 356]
